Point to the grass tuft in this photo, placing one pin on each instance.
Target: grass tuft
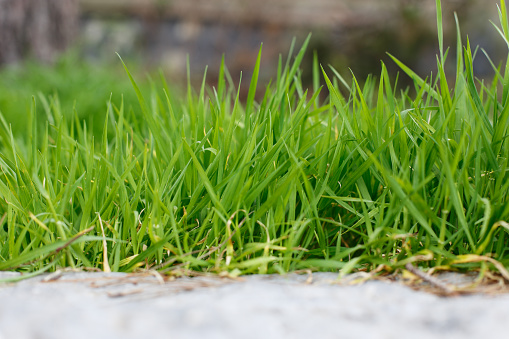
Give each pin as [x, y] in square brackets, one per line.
[291, 181]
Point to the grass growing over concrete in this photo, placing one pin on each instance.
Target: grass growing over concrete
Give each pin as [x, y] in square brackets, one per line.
[206, 182]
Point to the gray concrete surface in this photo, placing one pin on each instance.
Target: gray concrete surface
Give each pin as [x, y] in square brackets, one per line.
[99, 305]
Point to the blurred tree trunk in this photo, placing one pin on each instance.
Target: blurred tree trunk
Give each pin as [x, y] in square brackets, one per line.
[36, 28]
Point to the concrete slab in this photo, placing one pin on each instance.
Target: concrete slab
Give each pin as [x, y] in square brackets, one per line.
[116, 305]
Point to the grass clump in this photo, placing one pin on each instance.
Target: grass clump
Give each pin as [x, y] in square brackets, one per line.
[204, 182]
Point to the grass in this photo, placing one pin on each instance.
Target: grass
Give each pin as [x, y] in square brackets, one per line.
[71, 84]
[378, 178]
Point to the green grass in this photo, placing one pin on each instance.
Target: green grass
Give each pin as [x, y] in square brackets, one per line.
[206, 182]
[70, 83]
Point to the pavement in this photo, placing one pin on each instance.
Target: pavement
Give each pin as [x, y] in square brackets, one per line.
[116, 305]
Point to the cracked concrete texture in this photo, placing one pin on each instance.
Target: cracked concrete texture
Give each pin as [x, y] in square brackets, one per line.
[116, 305]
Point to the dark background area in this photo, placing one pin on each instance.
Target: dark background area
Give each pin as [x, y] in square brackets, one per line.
[153, 34]
[353, 34]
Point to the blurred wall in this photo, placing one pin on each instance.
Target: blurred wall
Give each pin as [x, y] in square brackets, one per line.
[36, 28]
[346, 33]
[352, 34]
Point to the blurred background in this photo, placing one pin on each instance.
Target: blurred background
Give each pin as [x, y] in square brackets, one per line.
[77, 40]
[346, 33]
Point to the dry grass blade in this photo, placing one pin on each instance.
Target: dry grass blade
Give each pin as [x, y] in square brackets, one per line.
[430, 279]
